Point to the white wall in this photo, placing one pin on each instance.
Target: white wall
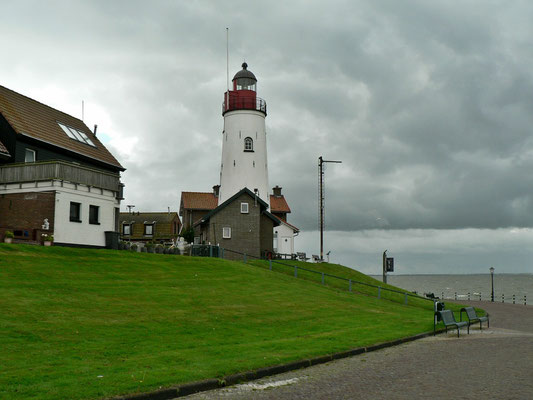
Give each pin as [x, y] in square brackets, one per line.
[285, 239]
[82, 232]
[241, 169]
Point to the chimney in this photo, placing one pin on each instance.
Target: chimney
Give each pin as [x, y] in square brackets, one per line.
[277, 191]
[216, 189]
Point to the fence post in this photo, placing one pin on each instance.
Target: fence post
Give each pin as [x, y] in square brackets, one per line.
[405, 294]
[222, 252]
[210, 251]
[455, 295]
[350, 288]
[323, 281]
[442, 296]
[379, 292]
[525, 300]
[245, 258]
[503, 298]
[295, 271]
[513, 300]
[479, 296]
[270, 265]
[468, 296]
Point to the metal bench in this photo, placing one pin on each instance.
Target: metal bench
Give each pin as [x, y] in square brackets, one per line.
[473, 317]
[447, 317]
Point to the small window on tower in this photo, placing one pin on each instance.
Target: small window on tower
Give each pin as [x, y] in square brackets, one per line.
[248, 144]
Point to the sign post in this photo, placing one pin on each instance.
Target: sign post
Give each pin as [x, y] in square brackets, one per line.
[388, 265]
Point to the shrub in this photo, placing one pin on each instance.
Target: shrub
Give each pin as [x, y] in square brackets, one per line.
[188, 234]
[9, 235]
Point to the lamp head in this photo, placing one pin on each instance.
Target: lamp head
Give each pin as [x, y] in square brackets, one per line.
[491, 269]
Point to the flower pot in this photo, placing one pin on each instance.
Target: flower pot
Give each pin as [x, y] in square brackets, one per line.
[47, 243]
[8, 240]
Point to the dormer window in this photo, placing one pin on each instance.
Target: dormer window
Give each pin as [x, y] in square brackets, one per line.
[76, 134]
[248, 144]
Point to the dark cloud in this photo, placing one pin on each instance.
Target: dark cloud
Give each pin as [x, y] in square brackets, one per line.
[427, 104]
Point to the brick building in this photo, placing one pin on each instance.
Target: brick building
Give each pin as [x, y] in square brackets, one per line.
[241, 224]
[56, 177]
[159, 227]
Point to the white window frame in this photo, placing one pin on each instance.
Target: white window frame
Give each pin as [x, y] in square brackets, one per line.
[30, 151]
[226, 232]
[124, 226]
[248, 144]
[245, 208]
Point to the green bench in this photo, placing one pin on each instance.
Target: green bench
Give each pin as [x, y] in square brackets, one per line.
[473, 317]
[447, 317]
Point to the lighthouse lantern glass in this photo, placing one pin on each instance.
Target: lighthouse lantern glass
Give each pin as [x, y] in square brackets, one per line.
[245, 84]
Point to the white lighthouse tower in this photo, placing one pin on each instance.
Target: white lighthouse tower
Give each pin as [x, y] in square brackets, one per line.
[244, 150]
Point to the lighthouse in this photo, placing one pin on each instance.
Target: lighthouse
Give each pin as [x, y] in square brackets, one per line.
[244, 150]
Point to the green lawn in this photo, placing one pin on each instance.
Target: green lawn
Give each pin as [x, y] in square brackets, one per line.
[88, 324]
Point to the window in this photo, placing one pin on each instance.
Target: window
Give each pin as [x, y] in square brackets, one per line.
[148, 229]
[76, 134]
[226, 233]
[244, 208]
[75, 213]
[248, 144]
[29, 156]
[126, 229]
[94, 215]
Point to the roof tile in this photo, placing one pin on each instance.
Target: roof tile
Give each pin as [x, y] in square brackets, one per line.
[39, 121]
[199, 200]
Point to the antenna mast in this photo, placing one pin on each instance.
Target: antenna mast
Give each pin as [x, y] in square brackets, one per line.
[227, 68]
[321, 207]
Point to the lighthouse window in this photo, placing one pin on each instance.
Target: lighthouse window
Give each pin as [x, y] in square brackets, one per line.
[248, 144]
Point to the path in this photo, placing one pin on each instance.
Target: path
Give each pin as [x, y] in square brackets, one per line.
[494, 363]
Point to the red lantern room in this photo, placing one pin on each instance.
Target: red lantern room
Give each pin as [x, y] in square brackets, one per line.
[243, 96]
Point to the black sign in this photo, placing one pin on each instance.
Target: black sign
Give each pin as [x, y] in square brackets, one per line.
[390, 264]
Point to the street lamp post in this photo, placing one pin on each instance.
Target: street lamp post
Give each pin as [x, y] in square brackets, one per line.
[491, 269]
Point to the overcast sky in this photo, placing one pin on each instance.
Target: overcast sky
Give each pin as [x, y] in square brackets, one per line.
[429, 105]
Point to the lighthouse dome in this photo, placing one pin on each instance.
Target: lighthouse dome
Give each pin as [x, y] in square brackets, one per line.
[244, 73]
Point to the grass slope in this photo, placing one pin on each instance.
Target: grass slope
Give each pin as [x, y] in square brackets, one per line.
[87, 324]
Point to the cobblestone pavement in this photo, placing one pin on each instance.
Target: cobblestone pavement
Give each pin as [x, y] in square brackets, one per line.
[493, 363]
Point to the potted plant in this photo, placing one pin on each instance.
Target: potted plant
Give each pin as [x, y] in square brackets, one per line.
[47, 239]
[150, 247]
[8, 237]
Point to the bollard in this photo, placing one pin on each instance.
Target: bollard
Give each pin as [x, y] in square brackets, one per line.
[503, 298]
[513, 300]
[270, 265]
[379, 292]
[442, 295]
[323, 278]
[295, 271]
[468, 296]
[455, 295]
[210, 251]
[350, 288]
[525, 300]
[405, 294]
[479, 296]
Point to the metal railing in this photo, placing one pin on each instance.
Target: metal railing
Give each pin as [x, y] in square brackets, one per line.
[60, 170]
[351, 285]
[243, 103]
[478, 296]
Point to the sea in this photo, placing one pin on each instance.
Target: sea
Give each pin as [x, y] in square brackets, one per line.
[473, 287]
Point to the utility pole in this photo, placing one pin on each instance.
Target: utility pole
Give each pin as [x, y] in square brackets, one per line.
[321, 200]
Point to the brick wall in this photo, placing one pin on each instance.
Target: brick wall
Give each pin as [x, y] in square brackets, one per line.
[26, 211]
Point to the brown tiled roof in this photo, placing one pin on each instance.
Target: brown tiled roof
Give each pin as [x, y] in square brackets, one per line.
[3, 150]
[39, 121]
[198, 201]
[140, 217]
[279, 204]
